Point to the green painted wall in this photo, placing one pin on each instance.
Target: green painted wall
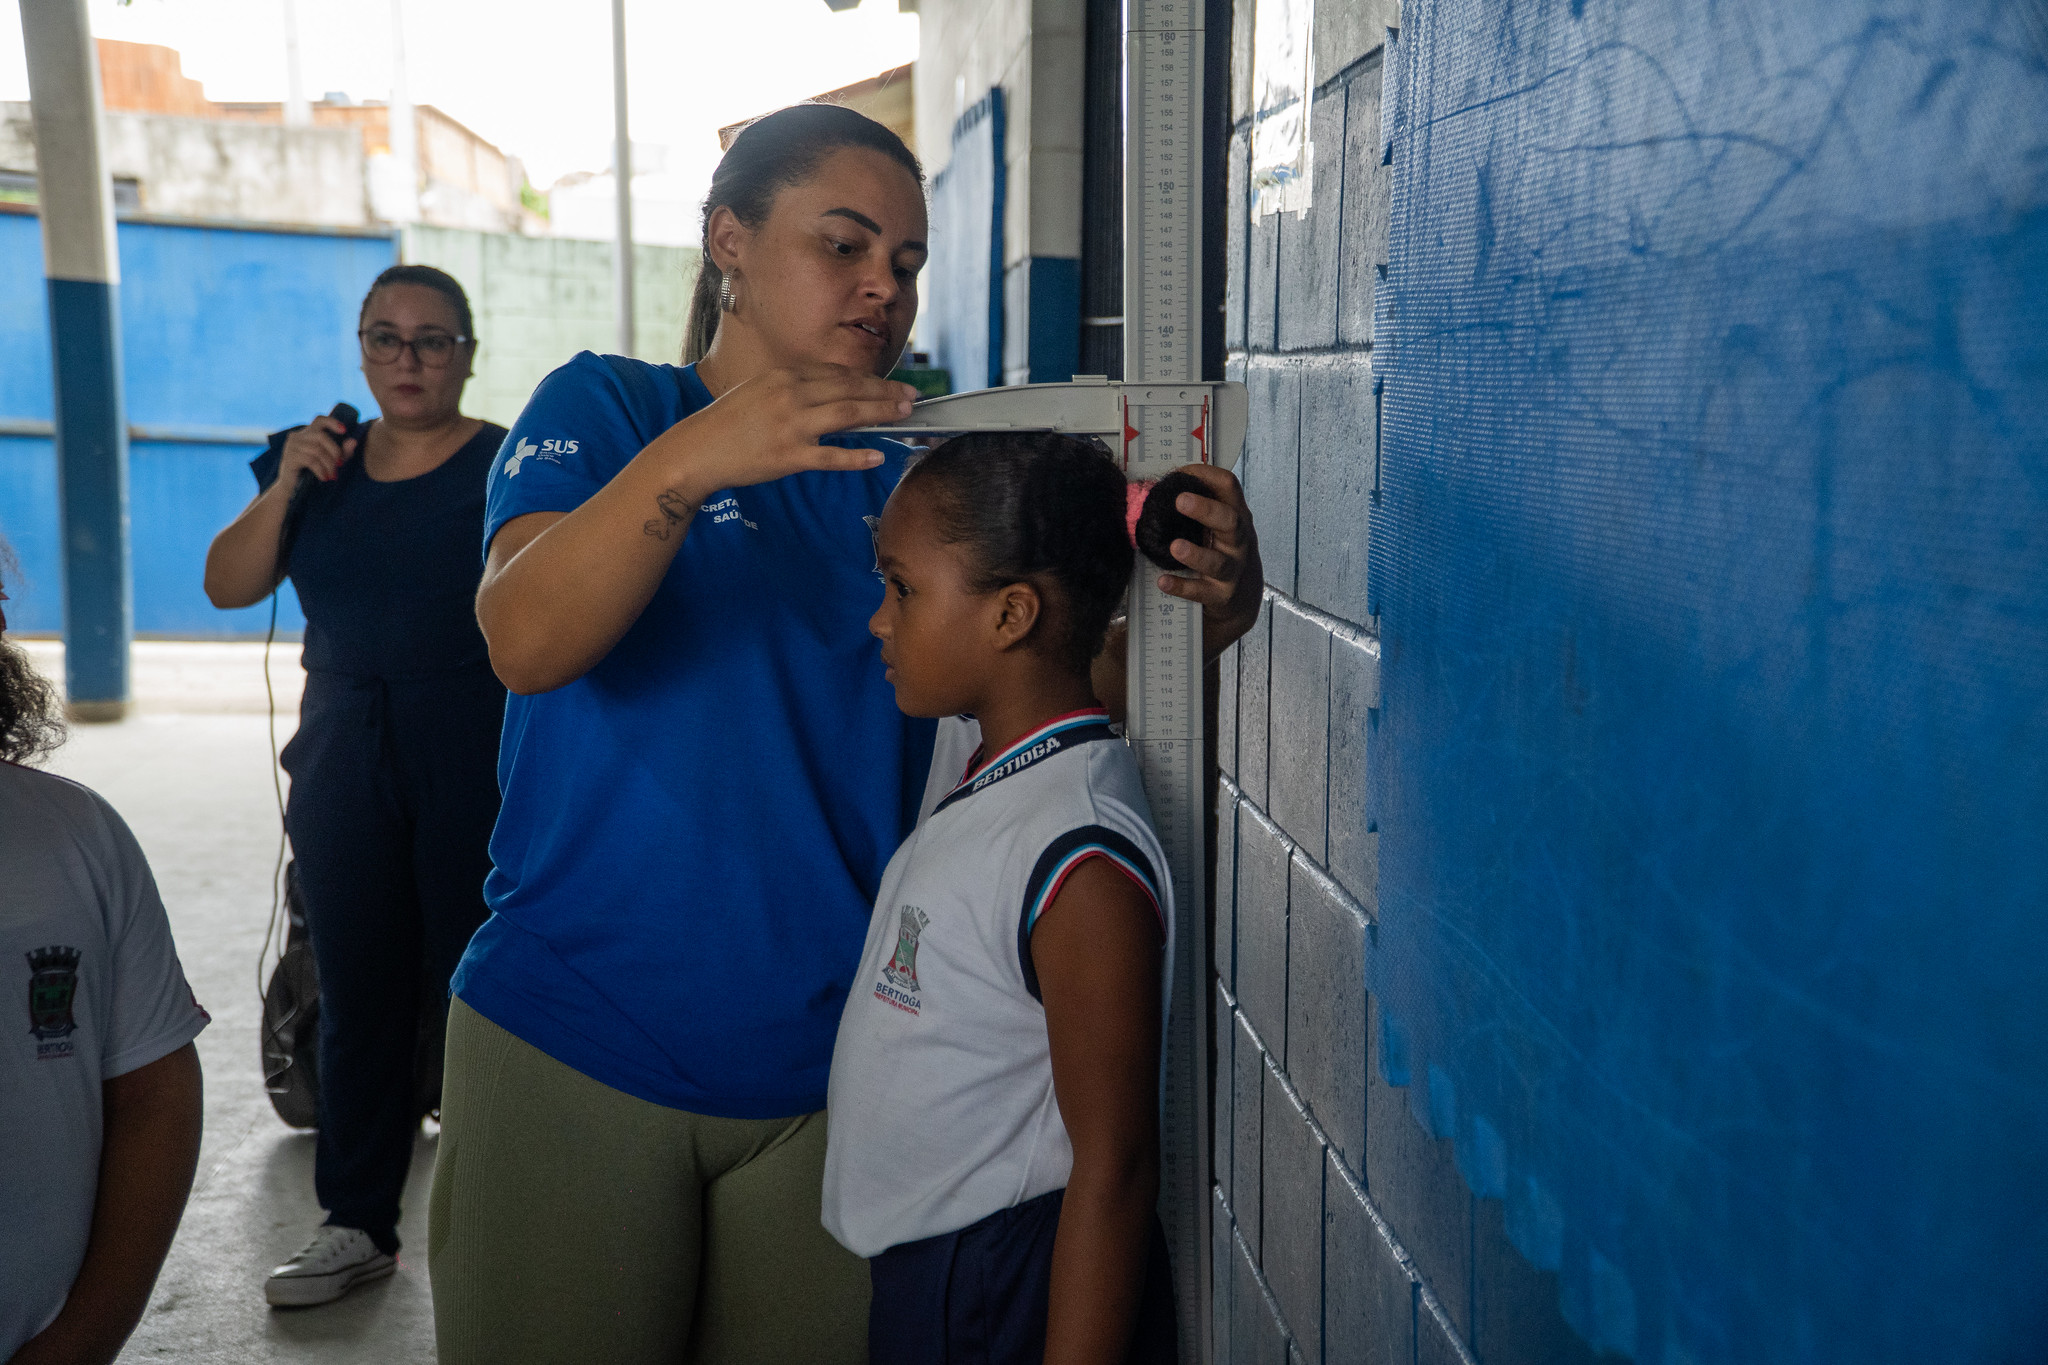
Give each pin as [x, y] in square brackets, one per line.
[539, 300]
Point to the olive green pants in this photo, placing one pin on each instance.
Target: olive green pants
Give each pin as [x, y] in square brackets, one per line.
[571, 1222]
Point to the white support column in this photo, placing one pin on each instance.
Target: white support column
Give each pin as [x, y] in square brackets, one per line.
[405, 137]
[297, 112]
[622, 177]
[75, 200]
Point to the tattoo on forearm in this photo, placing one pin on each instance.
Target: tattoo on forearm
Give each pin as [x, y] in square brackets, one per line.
[675, 513]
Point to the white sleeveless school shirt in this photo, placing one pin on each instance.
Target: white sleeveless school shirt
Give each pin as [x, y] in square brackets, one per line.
[941, 1100]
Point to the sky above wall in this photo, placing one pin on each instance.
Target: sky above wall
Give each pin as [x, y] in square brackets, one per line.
[532, 76]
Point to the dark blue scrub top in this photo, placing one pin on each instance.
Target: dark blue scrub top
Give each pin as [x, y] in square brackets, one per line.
[387, 572]
[694, 830]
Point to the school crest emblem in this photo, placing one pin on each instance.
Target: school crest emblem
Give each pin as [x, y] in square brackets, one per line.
[902, 968]
[52, 984]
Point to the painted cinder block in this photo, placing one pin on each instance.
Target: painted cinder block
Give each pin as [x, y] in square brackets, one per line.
[1222, 1263]
[1242, 13]
[1368, 1298]
[1354, 710]
[1298, 731]
[1515, 1315]
[1271, 469]
[1223, 1112]
[1338, 438]
[1261, 990]
[1261, 281]
[1326, 1034]
[1237, 228]
[1226, 712]
[1247, 1106]
[1348, 30]
[1291, 1245]
[1434, 1340]
[1414, 1180]
[1256, 1334]
[1368, 208]
[1309, 267]
[1254, 676]
[1226, 885]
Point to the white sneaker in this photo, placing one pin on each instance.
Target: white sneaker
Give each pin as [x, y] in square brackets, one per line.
[334, 1262]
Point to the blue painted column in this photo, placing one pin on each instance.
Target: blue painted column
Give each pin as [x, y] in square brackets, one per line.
[76, 201]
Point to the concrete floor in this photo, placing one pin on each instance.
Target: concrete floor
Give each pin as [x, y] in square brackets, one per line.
[190, 772]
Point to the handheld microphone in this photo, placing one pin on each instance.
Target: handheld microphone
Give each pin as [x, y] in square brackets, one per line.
[295, 510]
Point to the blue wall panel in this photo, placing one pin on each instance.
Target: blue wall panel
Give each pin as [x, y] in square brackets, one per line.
[963, 286]
[1712, 577]
[27, 388]
[219, 327]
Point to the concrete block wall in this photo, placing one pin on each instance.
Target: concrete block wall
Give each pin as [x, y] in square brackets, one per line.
[540, 300]
[1343, 1231]
[1034, 50]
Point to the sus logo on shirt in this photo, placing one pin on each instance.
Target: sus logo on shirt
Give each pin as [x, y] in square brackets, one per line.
[52, 982]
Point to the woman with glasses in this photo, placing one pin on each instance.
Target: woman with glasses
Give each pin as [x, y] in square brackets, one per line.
[394, 766]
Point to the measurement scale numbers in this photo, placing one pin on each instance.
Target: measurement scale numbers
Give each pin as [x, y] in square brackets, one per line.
[1163, 44]
[1162, 204]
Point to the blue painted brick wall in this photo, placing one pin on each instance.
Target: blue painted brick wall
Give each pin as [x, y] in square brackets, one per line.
[1344, 1230]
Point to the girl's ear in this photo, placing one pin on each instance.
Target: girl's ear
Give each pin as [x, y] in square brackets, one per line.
[1018, 608]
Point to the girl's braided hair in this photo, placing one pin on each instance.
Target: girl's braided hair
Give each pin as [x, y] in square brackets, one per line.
[1038, 508]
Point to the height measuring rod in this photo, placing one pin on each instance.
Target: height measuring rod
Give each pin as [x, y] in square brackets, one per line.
[1162, 415]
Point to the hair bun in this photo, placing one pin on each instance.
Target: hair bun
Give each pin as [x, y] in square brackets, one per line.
[1155, 523]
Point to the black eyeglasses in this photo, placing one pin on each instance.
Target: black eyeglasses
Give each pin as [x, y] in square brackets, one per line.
[434, 349]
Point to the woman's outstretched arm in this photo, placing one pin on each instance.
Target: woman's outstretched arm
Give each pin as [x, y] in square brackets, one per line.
[560, 588]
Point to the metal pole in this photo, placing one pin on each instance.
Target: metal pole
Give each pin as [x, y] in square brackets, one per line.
[82, 272]
[622, 177]
[405, 140]
[297, 112]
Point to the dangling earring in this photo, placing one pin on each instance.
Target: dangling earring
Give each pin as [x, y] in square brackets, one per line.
[727, 303]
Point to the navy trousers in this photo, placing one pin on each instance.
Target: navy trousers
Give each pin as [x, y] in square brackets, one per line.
[394, 794]
[979, 1296]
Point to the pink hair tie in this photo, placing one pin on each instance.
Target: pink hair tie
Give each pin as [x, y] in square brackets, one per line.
[1135, 493]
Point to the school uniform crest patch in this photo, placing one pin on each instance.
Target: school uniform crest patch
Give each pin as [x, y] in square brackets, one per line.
[899, 986]
[52, 985]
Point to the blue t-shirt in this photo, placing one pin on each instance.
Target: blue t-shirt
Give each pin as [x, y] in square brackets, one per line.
[693, 832]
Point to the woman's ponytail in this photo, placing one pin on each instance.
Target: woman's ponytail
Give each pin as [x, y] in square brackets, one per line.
[770, 154]
[700, 324]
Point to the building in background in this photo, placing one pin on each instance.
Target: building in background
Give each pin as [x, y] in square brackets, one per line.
[668, 187]
[1002, 102]
[178, 154]
[666, 201]
[245, 248]
[889, 98]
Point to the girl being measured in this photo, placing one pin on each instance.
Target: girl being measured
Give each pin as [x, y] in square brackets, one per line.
[994, 1094]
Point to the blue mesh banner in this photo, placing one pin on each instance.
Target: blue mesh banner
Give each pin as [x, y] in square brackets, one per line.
[1712, 574]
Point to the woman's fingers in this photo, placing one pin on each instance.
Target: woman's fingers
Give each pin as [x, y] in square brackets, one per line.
[1203, 560]
[1209, 592]
[844, 457]
[1232, 582]
[1224, 510]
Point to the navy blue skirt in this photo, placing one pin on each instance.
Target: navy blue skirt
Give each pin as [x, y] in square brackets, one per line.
[979, 1296]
